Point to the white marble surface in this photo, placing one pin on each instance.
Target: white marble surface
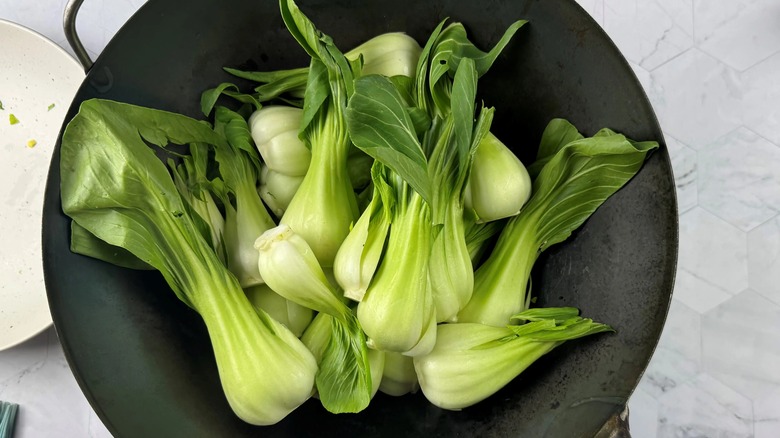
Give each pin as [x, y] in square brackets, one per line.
[712, 71]
[711, 68]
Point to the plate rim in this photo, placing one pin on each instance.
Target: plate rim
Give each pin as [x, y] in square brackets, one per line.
[7, 343]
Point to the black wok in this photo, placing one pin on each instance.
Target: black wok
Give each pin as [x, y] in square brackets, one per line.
[143, 359]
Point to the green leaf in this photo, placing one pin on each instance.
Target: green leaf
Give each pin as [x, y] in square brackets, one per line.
[380, 125]
[573, 329]
[208, 99]
[238, 159]
[85, 243]
[302, 29]
[383, 189]
[267, 77]
[578, 179]
[275, 83]
[320, 47]
[405, 86]
[420, 120]
[532, 327]
[556, 135]
[344, 377]
[421, 82]
[237, 133]
[557, 314]
[244, 98]
[343, 75]
[199, 205]
[555, 324]
[453, 45]
[114, 186]
[317, 94]
[464, 93]
[293, 86]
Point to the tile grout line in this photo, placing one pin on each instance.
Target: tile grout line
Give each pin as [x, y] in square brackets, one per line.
[752, 131]
[693, 21]
[669, 60]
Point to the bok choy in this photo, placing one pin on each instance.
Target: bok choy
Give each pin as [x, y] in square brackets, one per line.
[400, 289]
[574, 179]
[472, 361]
[325, 206]
[290, 267]
[115, 187]
[239, 167]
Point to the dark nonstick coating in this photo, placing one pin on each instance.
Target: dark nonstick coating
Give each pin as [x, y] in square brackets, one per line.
[143, 359]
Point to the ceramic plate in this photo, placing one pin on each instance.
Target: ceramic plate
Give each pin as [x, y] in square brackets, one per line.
[37, 83]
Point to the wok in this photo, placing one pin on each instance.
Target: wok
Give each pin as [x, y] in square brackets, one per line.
[143, 359]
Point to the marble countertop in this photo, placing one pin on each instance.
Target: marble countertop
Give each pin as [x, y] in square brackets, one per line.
[710, 69]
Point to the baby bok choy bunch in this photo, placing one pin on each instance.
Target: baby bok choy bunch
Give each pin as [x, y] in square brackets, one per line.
[291, 268]
[324, 205]
[472, 361]
[426, 134]
[239, 168]
[114, 187]
[396, 307]
[573, 177]
[446, 86]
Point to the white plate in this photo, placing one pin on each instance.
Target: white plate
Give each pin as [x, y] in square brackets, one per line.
[35, 74]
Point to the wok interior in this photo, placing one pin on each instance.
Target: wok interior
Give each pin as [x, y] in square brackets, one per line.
[143, 358]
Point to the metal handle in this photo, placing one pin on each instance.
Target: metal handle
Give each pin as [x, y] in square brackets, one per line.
[616, 426]
[69, 25]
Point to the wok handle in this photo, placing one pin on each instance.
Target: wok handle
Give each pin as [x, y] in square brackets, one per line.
[69, 25]
[616, 426]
